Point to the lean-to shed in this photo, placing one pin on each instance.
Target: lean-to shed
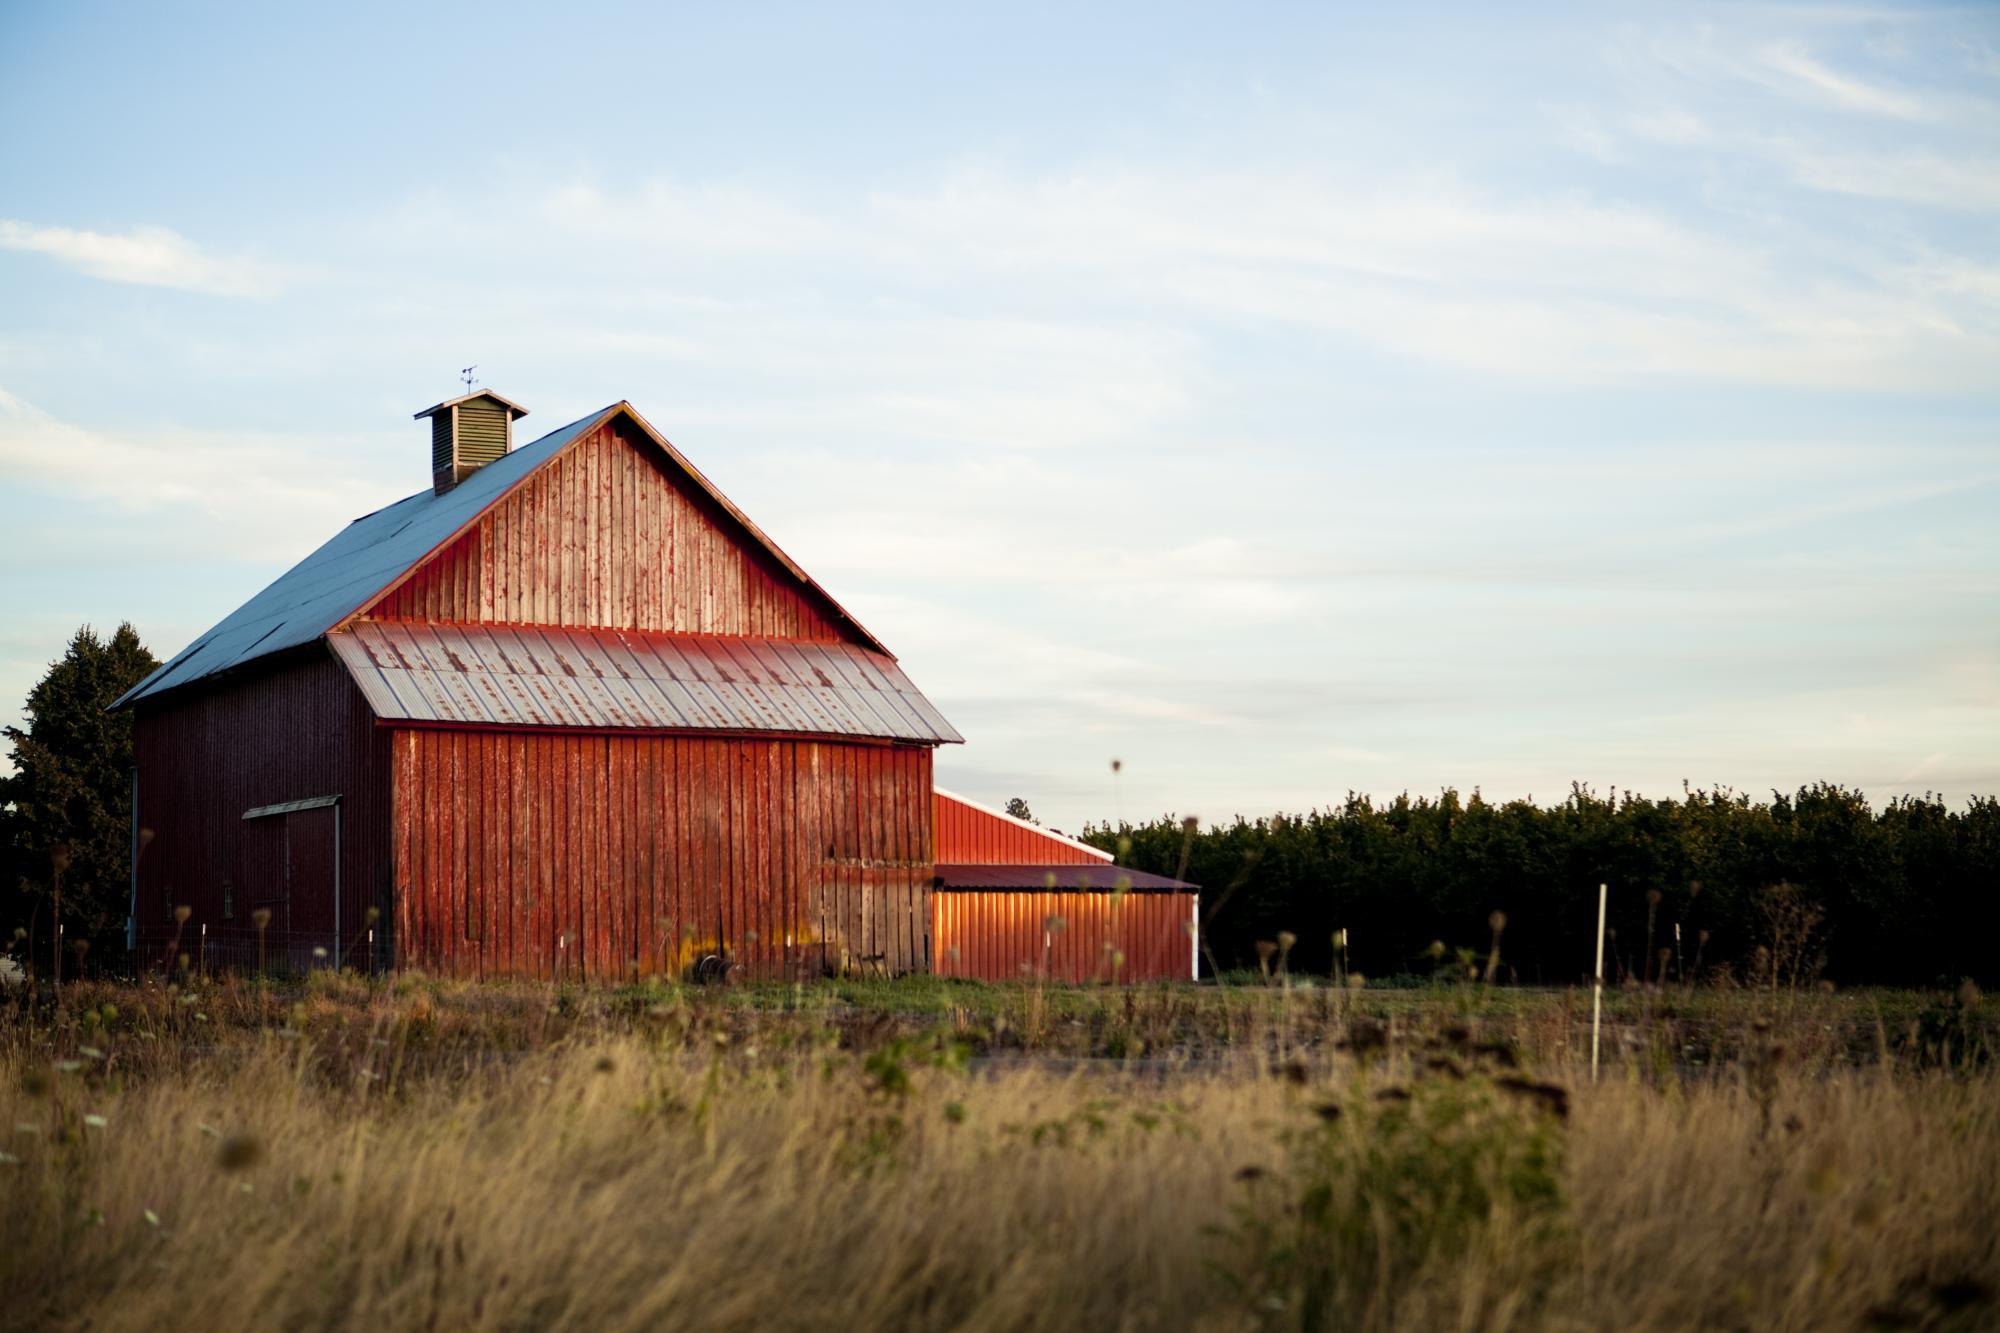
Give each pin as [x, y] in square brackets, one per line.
[568, 712]
[1013, 900]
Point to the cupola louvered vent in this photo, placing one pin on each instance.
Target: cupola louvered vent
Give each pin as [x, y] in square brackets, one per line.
[468, 433]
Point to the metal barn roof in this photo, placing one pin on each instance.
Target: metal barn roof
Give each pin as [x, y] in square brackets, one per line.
[374, 552]
[517, 676]
[1040, 879]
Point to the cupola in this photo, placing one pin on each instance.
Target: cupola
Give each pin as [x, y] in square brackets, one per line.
[467, 433]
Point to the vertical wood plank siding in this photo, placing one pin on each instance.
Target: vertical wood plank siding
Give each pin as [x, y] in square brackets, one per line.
[967, 835]
[296, 731]
[1000, 936]
[563, 855]
[603, 537]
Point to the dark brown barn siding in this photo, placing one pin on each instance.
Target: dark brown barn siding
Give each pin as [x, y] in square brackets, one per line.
[604, 537]
[295, 731]
[555, 854]
[968, 835]
[1001, 936]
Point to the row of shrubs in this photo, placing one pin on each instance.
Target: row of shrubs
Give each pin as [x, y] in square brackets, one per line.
[1711, 887]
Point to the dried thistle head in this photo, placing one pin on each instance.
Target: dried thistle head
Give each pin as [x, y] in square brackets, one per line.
[1117, 765]
[1498, 921]
[1053, 924]
[261, 917]
[1189, 823]
[182, 913]
[1265, 948]
[1653, 897]
[59, 857]
[371, 916]
[1285, 941]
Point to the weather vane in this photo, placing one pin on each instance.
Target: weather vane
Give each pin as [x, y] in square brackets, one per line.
[466, 375]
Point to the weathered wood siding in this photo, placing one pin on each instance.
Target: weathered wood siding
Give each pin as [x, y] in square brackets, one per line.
[564, 855]
[1000, 936]
[294, 731]
[605, 536]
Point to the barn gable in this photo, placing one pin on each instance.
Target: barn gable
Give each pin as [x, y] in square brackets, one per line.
[371, 559]
[616, 532]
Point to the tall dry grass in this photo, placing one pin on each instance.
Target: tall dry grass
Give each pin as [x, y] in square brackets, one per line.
[384, 1160]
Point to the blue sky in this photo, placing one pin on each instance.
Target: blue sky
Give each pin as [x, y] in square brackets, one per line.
[1281, 400]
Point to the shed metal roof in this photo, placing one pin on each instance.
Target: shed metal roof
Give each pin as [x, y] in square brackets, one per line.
[1040, 879]
[539, 676]
[377, 551]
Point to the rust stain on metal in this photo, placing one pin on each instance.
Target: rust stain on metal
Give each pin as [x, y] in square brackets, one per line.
[522, 676]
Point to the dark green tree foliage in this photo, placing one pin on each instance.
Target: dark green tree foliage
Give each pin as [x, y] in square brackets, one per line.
[72, 783]
[1906, 895]
[1018, 808]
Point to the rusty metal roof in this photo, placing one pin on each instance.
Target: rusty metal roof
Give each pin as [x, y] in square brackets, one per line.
[542, 676]
[1040, 879]
[375, 552]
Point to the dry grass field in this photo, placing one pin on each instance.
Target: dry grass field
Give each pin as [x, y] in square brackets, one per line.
[416, 1155]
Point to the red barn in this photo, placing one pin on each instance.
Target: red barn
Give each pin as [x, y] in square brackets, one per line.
[1013, 899]
[567, 713]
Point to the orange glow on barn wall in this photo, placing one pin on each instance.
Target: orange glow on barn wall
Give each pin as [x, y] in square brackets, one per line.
[1065, 936]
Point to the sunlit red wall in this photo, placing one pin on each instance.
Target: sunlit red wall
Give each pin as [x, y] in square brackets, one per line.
[966, 835]
[993, 935]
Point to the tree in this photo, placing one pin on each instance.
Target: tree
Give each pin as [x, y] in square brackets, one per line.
[1018, 808]
[69, 798]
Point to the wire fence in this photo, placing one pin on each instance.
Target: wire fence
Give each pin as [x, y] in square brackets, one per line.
[197, 949]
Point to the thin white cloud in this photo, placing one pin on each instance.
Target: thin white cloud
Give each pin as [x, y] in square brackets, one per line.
[148, 256]
[1089, 284]
[247, 497]
[1839, 89]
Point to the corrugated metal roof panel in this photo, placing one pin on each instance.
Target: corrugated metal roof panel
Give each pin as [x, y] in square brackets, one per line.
[1038, 879]
[525, 676]
[967, 832]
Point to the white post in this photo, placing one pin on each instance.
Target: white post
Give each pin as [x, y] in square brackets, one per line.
[1194, 937]
[1597, 991]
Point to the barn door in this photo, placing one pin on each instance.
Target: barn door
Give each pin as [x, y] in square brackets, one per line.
[288, 864]
[260, 879]
[309, 883]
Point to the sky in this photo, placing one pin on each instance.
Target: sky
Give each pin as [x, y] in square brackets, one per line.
[1281, 401]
